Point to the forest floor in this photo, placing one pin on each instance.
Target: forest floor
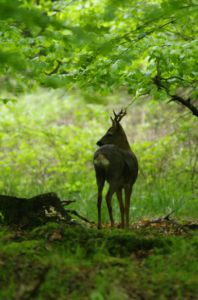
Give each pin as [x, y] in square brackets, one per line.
[149, 261]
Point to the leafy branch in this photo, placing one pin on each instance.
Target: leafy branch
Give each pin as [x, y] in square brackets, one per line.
[158, 82]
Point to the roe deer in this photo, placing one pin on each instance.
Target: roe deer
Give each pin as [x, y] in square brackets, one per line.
[115, 162]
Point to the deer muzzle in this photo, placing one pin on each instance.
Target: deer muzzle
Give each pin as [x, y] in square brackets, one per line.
[99, 143]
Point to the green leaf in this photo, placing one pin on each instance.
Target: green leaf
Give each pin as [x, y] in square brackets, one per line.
[163, 96]
[153, 90]
[157, 96]
[141, 35]
[23, 41]
[114, 68]
[130, 91]
[30, 41]
[6, 100]
[105, 48]
[105, 93]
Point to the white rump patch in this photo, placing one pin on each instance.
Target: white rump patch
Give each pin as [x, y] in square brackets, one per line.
[101, 160]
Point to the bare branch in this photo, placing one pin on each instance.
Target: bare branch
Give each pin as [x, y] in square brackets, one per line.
[186, 103]
[173, 78]
[74, 212]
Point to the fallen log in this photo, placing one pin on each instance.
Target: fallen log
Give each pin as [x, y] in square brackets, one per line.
[34, 211]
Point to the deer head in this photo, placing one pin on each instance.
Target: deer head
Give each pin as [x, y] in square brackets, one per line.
[115, 135]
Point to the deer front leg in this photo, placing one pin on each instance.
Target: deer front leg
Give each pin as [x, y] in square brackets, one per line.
[128, 191]
[120, 199]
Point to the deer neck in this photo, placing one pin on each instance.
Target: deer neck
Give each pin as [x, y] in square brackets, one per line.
[125, 146]
[123, 142]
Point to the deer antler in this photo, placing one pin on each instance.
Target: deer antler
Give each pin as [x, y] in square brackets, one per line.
[119, 116]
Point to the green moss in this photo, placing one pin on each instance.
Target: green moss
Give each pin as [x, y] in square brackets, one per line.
[84, 265]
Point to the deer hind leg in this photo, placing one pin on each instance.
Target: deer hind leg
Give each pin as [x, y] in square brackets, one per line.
[128, 191]
[111, 191]
[100, 183]
[122, 210]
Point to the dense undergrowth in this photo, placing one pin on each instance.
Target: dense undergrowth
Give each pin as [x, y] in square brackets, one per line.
[47, 144]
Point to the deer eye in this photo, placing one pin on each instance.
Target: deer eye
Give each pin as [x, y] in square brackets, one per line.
[109, 134]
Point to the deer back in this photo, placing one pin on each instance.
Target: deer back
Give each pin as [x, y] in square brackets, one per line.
[131, 166]
[116, 164]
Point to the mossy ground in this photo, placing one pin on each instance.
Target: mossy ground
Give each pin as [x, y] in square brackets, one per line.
[78, 263]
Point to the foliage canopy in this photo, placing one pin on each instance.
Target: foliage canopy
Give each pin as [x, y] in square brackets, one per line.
[148, 47]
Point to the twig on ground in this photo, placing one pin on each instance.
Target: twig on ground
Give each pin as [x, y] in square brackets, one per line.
[43, 242]
[74, 212]
[46, 236]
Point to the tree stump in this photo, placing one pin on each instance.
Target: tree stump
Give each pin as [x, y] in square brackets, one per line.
[34, 211]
